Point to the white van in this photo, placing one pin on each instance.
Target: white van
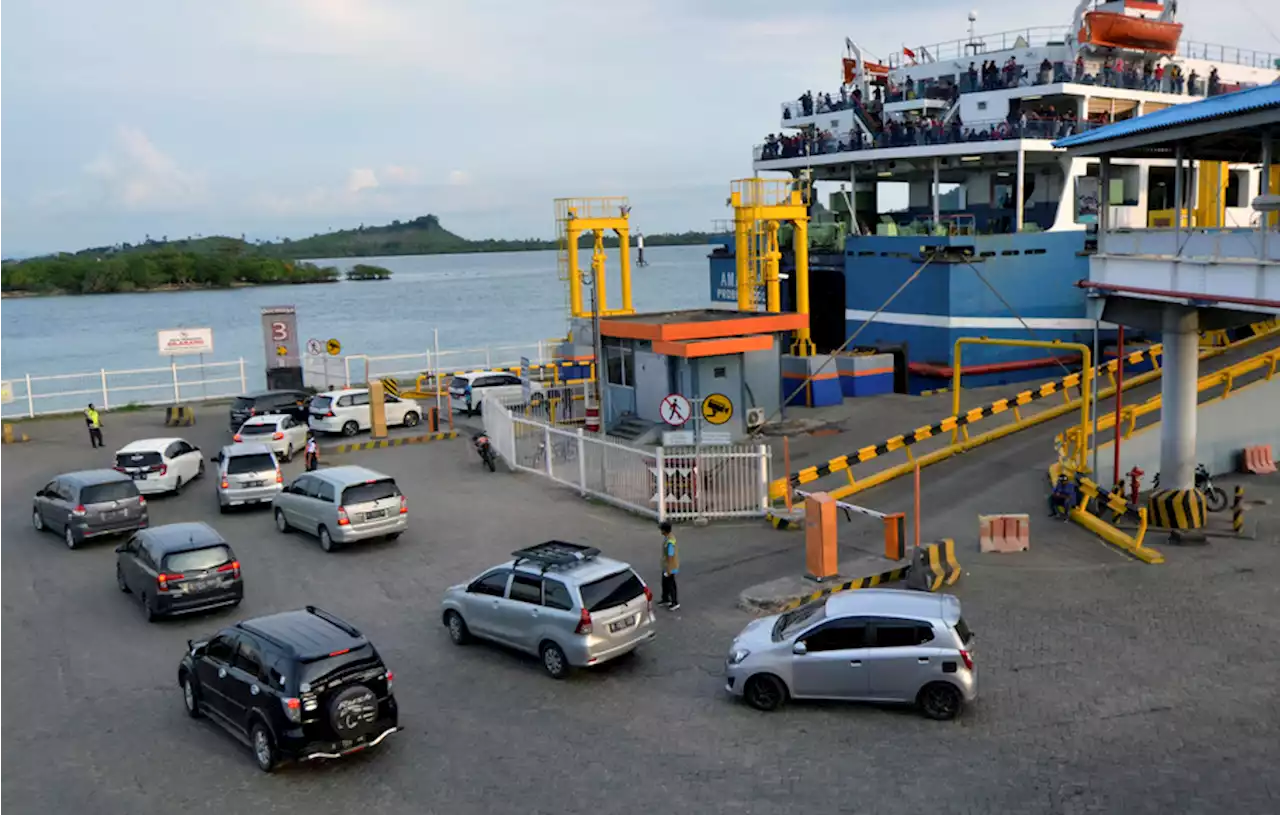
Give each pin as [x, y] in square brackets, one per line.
[347, 411]
[505, 387]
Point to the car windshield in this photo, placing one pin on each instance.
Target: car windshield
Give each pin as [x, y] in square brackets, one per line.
[197, 560]
[962, 628]
[111, 491]
[321, 403]
[256, 463]
[318, 669]
[242, 403]
[139, 459]
[792, 620]
[370, 491]
[257, 429]
[614, 590]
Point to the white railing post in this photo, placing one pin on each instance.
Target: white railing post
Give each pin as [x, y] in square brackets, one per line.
[488, 357]
[659, 460]
[763, 452]
[546, 450]
[582, 463]
[244, 383]
[106, 405]
[177, 391]
[31, 399]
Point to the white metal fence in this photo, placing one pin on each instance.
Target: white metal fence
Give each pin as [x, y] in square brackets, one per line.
[722, 481]
[325, 372]
[108, 390]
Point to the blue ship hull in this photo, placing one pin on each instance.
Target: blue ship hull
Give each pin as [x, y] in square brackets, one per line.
[1010, 280]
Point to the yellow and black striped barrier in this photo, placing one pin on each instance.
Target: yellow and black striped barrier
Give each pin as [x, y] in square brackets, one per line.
[782, 522]
[179, 416]
[1119, 506]
[1237, 511]
[934, 566]
[809, 474]
[1178, 509]
[851, 585]
[399, 442]
[10, 437]
[390, 386]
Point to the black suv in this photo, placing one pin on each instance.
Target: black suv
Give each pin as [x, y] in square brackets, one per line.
[295, 685]
[292, 403]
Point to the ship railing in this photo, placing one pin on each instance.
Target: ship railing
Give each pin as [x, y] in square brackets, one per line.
[985, 44]
[1229, 53]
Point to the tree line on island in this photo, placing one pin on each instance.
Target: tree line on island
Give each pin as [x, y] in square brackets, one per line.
[223, 262]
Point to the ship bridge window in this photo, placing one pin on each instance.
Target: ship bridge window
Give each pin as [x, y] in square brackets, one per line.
[1237, 189]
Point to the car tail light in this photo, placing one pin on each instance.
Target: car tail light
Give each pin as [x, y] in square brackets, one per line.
[120, 470]
[968, 659]
[329, 415]
[584, 623]
[277, 436]
[142, 501]
[162, 580]
[237, 437]
[253, 411]
[224, 484]
[343, 520]
[648, 596]
[292, 708]
[233, 567]
[390, 678]
[279, 477]
[78, 511]
[404, 506]
[164, 469]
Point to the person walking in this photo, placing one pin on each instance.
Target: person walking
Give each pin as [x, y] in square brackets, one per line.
[312, 453]
[94, 422]
[670, 567]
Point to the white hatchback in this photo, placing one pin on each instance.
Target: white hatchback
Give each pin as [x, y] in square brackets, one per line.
[347, 411]
[160, 465]
[278, 431]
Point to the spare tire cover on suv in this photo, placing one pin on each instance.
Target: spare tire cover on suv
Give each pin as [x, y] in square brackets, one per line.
[353, 711]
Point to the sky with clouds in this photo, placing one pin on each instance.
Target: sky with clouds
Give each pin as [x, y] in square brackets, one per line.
[288, 117]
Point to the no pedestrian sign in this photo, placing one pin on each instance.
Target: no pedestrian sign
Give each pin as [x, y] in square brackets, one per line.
[675, 410]
[315, 347]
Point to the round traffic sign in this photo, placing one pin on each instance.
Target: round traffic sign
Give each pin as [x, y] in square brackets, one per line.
[333, 347]
[717, 409]
[315, 347]
[282, 350]
[675, 409]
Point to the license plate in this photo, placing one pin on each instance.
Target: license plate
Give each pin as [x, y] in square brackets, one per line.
[138, 476]
[377, 513]
[254, 483]
[115, 514]
[622, 624]
[197, 586]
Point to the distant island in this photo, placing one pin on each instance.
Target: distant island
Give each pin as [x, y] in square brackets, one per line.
[225, 262]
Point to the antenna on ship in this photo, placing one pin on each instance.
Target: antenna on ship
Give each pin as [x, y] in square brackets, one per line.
[973, 18]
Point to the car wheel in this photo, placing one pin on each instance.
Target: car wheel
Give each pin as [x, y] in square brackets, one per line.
[120, 581]
[554, 662]
[148, 613]
[190, 699]
[222, 508]
[458, 631]
[69, 537]
[37, 520]
[200, 469]
[264, 747]
[350, 429]
[177, 486]
[392, 536]
[282, 525]
[765, 692]
[410, 419]
[288, 452]
[326, 541]
[940, 701]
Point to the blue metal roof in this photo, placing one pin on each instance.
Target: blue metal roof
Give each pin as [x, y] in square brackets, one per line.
[1216, 107]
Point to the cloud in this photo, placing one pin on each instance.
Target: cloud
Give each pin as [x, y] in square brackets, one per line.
[459, 178]
[136, 174]
[361, 179]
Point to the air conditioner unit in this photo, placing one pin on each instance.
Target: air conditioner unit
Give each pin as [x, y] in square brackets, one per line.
[755, 418]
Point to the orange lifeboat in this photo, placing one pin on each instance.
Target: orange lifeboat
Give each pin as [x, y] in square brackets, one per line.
[1113, 30]
[874, 70]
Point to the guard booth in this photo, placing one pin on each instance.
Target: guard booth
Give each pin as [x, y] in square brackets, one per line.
[725, 363]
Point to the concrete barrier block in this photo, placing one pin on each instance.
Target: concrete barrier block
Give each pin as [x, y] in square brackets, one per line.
[1004, 533]
[179, 416]
[1258, 460]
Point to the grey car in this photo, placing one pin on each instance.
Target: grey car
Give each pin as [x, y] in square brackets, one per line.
[562, 602]
[248, 474]
[873, 645]
[342, 505]
[89, 504]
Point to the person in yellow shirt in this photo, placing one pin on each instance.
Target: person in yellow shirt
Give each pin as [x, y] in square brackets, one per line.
[670, 567]
[94, 421]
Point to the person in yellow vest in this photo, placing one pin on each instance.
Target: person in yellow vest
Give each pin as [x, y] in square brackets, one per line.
[670, 567]
[94, 421]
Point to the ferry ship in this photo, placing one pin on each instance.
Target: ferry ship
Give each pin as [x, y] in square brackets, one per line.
[966, 128]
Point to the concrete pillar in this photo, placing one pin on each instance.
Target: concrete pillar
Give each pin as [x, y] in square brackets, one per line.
[1180, 332]
[1020, 194]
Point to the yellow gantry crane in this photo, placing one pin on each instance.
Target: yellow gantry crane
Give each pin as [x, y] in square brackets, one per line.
[760, 207]
[577, 216]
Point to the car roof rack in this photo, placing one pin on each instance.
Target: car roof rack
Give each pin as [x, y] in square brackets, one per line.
[555, 553]
[334, 620]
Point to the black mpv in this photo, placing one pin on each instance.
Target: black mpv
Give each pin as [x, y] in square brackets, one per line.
[296, 686]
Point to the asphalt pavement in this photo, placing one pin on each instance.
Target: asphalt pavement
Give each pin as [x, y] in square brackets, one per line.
[1106, 685]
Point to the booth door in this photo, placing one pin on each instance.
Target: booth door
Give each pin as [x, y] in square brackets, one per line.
[651, 384]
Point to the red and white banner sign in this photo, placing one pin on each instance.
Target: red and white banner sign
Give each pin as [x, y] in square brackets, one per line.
[176, 341]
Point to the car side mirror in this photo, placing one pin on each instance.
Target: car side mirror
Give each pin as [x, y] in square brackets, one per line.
[800, 649]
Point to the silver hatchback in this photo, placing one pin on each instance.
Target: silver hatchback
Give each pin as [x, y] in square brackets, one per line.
[873, 645]
[560, 601]
[342, 505]
[248, 474]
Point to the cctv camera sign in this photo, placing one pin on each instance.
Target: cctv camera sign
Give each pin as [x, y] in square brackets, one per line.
[178, 341]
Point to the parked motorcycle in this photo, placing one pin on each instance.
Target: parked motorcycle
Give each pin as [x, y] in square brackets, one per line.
[485, 449]
[1215, 498]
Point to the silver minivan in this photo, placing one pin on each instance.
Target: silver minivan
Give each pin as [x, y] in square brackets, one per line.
[870, 645]
[89, 504]
[563, 602]
[248, 474]
[342, 505]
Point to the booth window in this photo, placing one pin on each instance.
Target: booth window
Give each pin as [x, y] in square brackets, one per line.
[621, 365]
